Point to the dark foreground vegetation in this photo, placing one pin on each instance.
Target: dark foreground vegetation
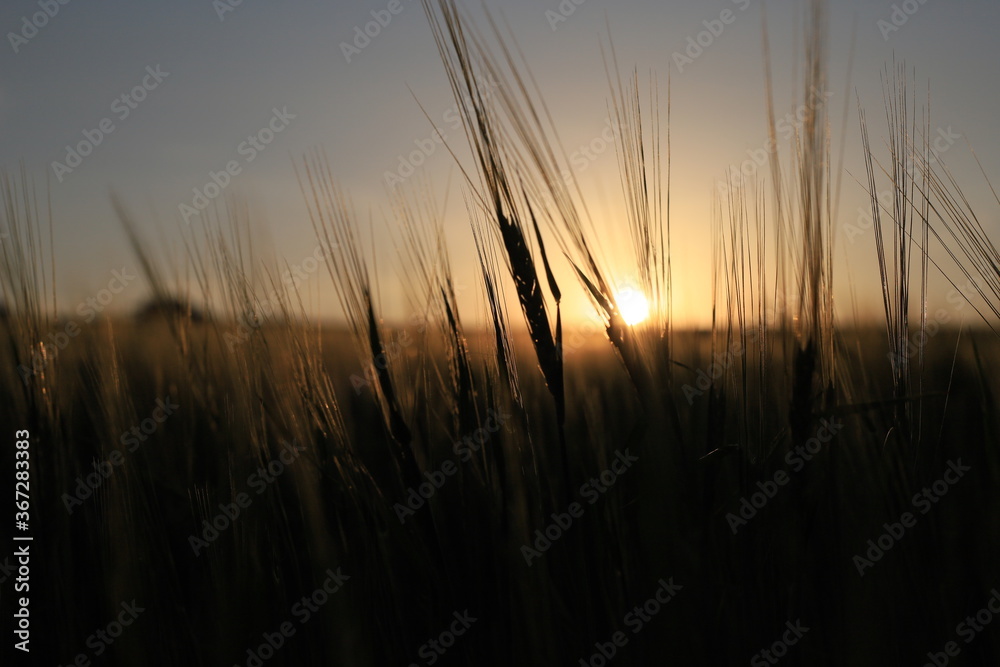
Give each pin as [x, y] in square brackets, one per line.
[251, 488]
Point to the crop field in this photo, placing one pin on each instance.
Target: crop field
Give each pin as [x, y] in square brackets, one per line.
[224, 478]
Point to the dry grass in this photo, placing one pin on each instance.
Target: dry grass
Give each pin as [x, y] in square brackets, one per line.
[376, 416]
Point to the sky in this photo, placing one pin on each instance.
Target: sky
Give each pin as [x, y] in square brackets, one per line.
[202, 78]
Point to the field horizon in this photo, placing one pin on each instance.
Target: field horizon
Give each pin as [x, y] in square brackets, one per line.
[538, 428]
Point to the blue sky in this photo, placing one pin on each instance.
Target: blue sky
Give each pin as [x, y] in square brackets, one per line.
[229, 72]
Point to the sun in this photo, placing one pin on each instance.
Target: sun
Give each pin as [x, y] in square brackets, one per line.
[633, 305]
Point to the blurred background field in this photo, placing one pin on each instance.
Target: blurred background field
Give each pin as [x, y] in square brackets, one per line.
[544, 445]
[334, 507]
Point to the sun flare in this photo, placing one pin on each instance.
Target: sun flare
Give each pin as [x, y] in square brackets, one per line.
[633, 305]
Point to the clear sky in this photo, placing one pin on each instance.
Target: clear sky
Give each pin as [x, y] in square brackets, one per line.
[212, 78]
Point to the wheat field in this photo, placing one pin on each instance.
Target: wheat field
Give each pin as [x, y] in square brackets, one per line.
[224, 479]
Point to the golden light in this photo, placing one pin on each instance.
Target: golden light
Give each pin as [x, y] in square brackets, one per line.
[633, 305]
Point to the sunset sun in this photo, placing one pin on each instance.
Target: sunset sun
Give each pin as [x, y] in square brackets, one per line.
[633, 305]
[469, 332]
